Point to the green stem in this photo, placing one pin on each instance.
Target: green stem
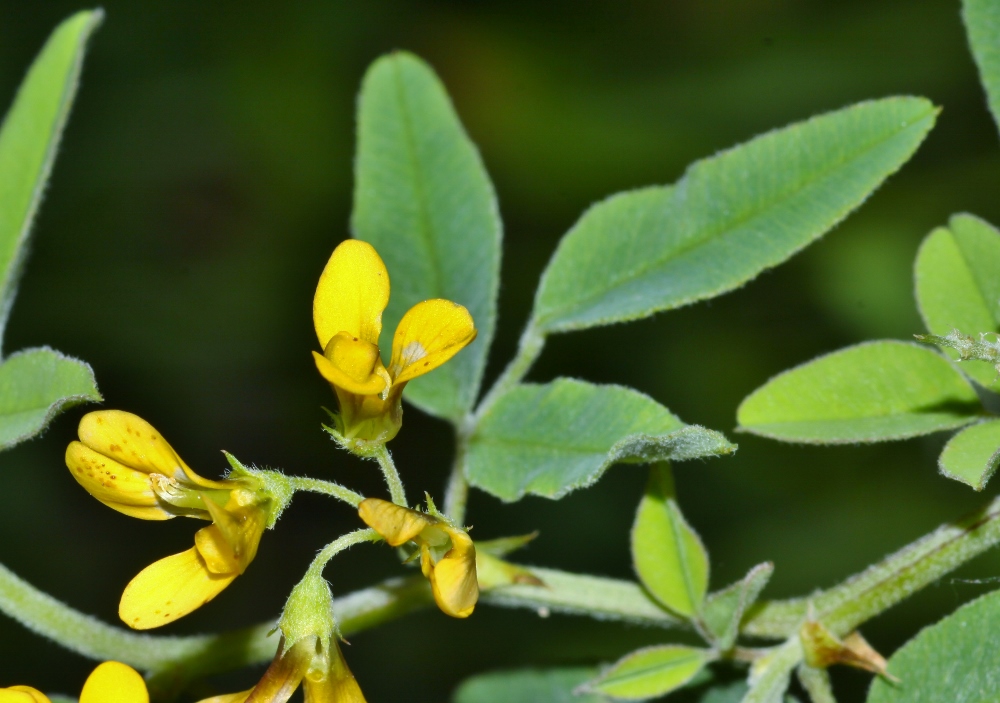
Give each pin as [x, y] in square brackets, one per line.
[392, 480]
[329, 488]
[774, 672]
[338, 545]
[456, 493]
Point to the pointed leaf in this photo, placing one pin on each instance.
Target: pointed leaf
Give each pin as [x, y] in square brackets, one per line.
[971, 456]
[867, 393]
[730, 217]
[954, 660]
[424, 200]
[554, 438]
[29, 139]
[527, 686]
[982, 22]
[35, 386]
[668, 556]
[724, 609]
[957, 281]
[650, 672]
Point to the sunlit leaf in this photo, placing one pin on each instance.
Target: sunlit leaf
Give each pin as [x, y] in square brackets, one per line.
[527, 686]
[971, 456]
[982, 22]
[650, 672]
[724, 609]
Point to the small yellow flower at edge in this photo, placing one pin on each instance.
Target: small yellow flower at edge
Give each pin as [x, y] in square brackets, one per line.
[353, 291]
[447, 554]
[320, 669]
[111, 682]
[125, 463]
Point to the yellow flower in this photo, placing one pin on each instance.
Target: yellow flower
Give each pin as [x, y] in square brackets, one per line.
[320, 669]
[347, 312]
[111, 682]
[447, 554]
[125, 463]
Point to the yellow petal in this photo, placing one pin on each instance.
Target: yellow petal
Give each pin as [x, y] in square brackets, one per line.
[338, 686]
[126, 490]
[353, 291]
[169, 589]
[373, 385]
[133, 442]
[453, 579]
[228, 697]
[114, 682]
[22, 694]
[215, 550]
[241, 528]
[396, 524]
[429, 334]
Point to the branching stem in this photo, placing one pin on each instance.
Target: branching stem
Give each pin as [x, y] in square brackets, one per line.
[328, 488]
[392, 480]
[338, 545]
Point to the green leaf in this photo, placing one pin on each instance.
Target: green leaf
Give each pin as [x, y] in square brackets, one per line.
[730, 217]
[957, 280]
[527, 686]
[954, 660]
[971, 456]
[732, 693]
[724, 609]
[424, 201]
[29, 139]
[668, 556]
[554, 438]
[982, 22]
[867, 393]
[35, 386]
[650, 672]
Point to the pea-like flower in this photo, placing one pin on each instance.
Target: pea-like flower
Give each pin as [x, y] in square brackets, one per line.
[110, 682]
[353, 291]
[125, 463]
[315, 663]
[447, 554]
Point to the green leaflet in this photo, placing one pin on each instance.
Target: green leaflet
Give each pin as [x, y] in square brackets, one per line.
[957, 281]
[35, 386]
[971, 456]
[650, 672]
[551, 439]
[527, 686]
[954, 660]
[867, 393]
[29, 139]
[982, 22]
[424, 201]
[667, 554]
[724, 609]
[730, 217]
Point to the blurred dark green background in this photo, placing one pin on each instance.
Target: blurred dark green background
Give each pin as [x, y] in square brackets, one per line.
[205, 178]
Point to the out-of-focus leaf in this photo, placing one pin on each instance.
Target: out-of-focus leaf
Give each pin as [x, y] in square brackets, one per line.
[954, 660]
[957, 277]
[424, 200]
[35, 386]
[554, 438]
[724, 609]
[29, 139]
[667, 554]
[527, 686]
[650, 672]
[982, 22]
[866, 393]
[730, 217]
[971, 456]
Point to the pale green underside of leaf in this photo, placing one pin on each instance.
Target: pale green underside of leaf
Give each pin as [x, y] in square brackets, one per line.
[551, 439]
[423, 199]
[730, 217]
[650, 672]
[35, 386]
[668, 555]
[982, 22]
[957, 281]
[29, 138]
[954, 660]
[527, 686]
[971, 456]
[867, 393]
[724, 609]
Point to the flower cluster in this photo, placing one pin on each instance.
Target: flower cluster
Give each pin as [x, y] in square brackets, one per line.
[111, 682]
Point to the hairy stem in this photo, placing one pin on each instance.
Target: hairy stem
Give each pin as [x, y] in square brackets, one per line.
[328, 488]
[392, 480]
[456, 493]
[340, 544]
